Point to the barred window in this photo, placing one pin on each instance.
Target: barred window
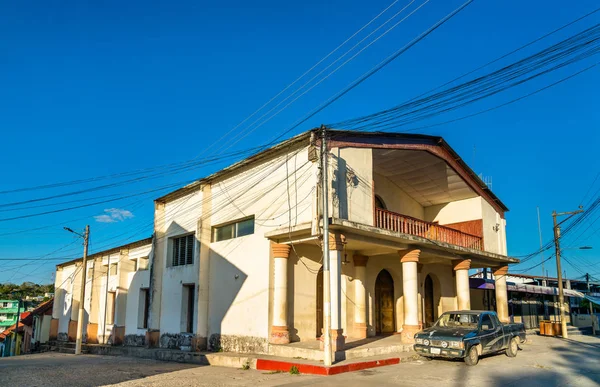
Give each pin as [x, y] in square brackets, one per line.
[183, 250]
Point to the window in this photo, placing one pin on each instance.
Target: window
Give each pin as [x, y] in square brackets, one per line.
[113, 269]
[143, 307]
[183, 250]
[110, 311]
[236, 229]
[141, 263]
[486, 323]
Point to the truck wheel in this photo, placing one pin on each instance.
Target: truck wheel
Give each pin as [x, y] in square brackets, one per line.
[472, 357]
[513, 347]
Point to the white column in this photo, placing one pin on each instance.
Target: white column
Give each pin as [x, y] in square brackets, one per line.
[501, 293]
[279, 328]
[410, 293]
[203, 234]
[336, 247]
[360, 314]
[463, 291]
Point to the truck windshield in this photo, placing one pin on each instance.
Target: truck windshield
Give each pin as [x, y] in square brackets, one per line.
[458, 320]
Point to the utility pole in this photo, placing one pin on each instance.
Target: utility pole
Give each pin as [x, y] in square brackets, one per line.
[327, 356]
[587, 279]
[541, 242]
[561, 296]
[86, 237]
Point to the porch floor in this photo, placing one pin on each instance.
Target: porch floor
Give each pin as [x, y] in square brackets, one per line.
[354, 348]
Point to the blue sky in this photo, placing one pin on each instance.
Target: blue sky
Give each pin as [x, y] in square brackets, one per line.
[96, 89]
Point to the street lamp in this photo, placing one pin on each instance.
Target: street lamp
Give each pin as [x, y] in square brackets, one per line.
[85, 236]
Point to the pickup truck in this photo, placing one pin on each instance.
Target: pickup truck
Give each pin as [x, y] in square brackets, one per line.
[469, 334]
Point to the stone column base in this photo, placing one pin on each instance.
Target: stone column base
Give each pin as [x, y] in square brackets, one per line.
[360, 330]
[199, 343]
[338, 340]
[408, 333]
[152, 338]
[279, 335]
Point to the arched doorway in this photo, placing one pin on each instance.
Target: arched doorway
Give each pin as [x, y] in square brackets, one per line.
[385, 316]
[379, 203]
[319, 325]
[428, 301]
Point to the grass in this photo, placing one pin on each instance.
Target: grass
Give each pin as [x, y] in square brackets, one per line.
[246, 366]
[294, 371]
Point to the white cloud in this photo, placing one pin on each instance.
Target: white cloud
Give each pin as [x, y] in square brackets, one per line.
[114, 215]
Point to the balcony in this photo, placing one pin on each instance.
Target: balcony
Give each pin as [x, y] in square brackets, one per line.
[408, 225]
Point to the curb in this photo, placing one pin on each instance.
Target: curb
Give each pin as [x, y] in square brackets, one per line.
[309, 369]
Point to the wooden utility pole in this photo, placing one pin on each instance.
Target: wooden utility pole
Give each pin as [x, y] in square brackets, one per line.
[79, 339]
[561, 296]
[327, 358]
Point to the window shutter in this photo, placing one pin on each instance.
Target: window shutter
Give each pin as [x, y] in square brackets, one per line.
[190, 250]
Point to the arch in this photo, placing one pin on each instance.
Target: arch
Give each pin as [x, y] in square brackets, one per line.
[319, 303]
[379, 203]
[429, 315]
[385, 311]
[431, 299]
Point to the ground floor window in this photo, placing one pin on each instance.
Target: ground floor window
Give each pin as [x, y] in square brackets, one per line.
[143, 307]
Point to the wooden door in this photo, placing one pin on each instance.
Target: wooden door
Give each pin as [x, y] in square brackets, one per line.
[319, 303]
[385, 316]
[429, 311]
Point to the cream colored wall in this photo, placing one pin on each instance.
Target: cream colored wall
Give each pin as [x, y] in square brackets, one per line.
[241, 264]
[493, 241]
[396, 199]
[454, 212]
[303, 269]
[352, 175]
[113, 285]
[375, 265]
[444, 288]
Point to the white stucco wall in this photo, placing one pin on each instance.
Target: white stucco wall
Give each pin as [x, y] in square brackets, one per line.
[239, 267]
[352, 175]
[493, 241]
[181, 217]
[64, 306]
[136, 280]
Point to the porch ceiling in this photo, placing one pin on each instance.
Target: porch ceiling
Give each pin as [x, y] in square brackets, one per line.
[425, 177]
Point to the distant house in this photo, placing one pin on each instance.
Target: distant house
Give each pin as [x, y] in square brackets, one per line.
[37, 326]
[8, 313]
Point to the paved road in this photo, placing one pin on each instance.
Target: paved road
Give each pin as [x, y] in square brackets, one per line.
[544, 362]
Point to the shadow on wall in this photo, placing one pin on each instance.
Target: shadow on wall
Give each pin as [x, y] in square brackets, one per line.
[340, 186]
[226, 280]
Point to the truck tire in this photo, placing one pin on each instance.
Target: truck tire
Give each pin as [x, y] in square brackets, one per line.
[513, 347]
[472, 357]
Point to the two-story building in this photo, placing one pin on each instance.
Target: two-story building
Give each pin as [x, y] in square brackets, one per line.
[236, 260]
[8, 313]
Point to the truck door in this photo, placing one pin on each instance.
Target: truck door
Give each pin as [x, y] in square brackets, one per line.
[490, 334]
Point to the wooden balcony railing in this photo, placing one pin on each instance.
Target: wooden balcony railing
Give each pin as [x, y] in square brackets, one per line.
[408, 225]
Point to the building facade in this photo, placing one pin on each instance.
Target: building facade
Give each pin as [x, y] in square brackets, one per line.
[235, 262]
[8, 313]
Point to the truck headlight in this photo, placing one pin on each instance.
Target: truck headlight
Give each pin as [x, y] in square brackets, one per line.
[456, 344]
[425, 342]
[419, 341]
[444, 344]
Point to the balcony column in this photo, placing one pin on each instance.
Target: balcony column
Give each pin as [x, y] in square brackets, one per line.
[336, 247]
[279, 327]
[410, 292]
[463, 292]
[501, 293]
[360, 314]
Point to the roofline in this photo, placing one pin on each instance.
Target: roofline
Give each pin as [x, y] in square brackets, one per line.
[130, 245]
[197, 185]
[433, 140]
